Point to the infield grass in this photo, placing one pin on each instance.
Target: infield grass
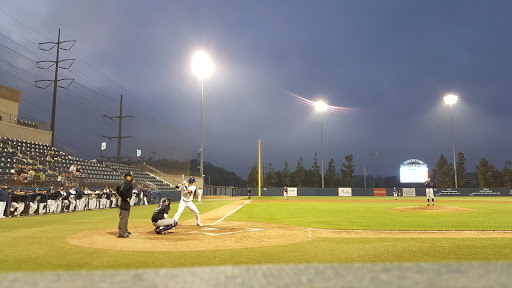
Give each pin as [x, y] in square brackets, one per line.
[38, 243]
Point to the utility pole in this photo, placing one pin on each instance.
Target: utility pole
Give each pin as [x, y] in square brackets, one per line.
[119, 134]
[373, 155]
[46, 65]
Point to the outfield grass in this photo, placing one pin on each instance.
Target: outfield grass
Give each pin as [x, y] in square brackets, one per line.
[39, 243]
[348, 213]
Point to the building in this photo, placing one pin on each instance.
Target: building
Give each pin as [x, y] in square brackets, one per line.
[13, 126]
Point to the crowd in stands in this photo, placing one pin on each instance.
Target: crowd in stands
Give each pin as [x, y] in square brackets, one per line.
[25, 163]
[16, 201]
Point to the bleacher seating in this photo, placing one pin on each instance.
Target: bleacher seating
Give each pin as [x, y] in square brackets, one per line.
[139, 175]
[14, 151]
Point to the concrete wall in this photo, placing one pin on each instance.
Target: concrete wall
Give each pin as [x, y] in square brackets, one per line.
[438, 192]
[9, 100]
[25, 133]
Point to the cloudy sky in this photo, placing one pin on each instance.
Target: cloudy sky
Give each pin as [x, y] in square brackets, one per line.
[390, 61]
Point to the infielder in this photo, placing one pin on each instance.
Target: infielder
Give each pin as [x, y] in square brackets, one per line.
[187, 195]
[430, 191]
[285, 191]
[159, 218]
[395, 192]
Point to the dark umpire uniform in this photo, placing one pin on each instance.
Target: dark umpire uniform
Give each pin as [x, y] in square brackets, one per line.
[125, 192]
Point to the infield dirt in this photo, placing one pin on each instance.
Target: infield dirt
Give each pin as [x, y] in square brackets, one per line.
[218, 235]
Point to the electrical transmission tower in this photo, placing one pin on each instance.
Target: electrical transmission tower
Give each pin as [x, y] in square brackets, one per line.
[119, 137]
[47, 65]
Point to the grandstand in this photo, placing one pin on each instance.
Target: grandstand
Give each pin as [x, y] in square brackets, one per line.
[52, 163]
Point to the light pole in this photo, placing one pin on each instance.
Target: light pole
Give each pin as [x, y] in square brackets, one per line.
[450, 100]
[202, 67]
[321, 106]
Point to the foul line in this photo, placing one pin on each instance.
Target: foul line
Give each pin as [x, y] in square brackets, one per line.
[231, 212]
[413, 231]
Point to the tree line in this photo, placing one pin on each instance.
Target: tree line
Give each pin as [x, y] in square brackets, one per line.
[487, 176]
[302, 177]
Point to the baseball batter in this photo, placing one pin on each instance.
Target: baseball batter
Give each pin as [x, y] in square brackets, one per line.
[159, 218]
[430, 191]
[187, 195]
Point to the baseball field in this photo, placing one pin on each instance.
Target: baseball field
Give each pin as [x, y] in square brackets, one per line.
[267, 230]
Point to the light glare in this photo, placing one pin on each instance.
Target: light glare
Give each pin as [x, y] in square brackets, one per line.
[451, 99]
[320, 106]
[202, 65]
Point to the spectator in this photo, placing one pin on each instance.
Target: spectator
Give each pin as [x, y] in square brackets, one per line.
[42, 177]
[62, 177]
[78, 171]
[72, 170]
[31, 173]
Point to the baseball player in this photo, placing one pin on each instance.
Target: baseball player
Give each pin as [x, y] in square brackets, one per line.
[17, 202]
[285, 191]
[33, 200]
[159, 218]
[395, 192]
[430, 191]
[187, 194]
[199, 194]
[4, 197]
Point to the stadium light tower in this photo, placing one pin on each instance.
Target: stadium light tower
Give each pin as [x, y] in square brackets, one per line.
[451, 99]
[321, 106]
[202, 67]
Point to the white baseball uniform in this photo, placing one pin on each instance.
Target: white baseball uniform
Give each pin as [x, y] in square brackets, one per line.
[187, 194]
[199, 195]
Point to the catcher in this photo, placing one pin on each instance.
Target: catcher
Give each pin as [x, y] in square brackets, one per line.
[159, 218]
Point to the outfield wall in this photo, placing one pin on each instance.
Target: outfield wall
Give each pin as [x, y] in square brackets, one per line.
[380, 192]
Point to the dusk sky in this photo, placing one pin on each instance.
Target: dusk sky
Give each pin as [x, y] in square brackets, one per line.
[391, 62]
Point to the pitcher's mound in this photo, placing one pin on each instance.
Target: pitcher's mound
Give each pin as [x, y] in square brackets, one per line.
[440, 208]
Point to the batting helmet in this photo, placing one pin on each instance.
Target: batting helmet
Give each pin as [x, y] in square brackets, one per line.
[191, 180]
[165, 200]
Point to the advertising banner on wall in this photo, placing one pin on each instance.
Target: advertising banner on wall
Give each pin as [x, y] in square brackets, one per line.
[292, 191]
[409, 192]
[345, 191]
[447, 192]
[379, 191]
[485, 192]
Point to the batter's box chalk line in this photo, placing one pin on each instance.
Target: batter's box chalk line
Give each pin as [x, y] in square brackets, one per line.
[225, 233]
